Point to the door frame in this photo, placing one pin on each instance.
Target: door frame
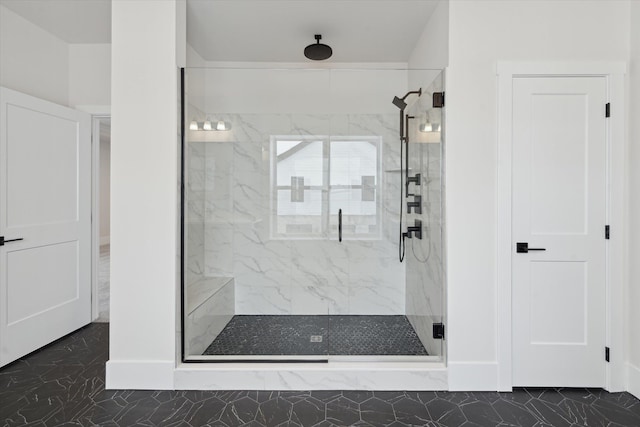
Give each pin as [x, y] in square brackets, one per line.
[95, 209]
[614, 75]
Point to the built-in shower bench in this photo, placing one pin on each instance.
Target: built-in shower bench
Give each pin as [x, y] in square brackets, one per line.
[210, 306]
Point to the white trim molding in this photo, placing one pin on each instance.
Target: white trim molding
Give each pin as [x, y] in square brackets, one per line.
[139, 374]
[473, 376]
[633, 373]
[614, 72]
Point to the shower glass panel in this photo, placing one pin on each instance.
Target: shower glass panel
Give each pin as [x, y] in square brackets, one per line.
[291, 216]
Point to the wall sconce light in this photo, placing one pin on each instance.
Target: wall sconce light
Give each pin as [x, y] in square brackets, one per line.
[429, 127]
[221, 125]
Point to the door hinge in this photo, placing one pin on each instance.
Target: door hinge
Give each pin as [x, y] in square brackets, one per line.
[438, 331]
[438, 99]
[606, 232]
[607, 109]
[606, 353]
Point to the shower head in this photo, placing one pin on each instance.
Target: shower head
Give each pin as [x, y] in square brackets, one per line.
[318, 51]
[399, 103]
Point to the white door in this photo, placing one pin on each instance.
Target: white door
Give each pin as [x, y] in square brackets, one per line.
[559, 205]
[45, 200]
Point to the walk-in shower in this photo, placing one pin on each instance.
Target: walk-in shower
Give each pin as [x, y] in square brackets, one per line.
[291, 216]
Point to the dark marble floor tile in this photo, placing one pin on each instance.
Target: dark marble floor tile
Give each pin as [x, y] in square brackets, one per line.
[38, 391]
[343, 411]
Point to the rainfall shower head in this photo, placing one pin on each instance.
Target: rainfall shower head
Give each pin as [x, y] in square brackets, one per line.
[399, 103]
[318, 51]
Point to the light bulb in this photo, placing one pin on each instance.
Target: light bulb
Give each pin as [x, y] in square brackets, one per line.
[221, 125]
[193, 125]
[207, 125]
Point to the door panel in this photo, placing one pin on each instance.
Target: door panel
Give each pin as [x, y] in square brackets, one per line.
[45, 199]
[559, 202]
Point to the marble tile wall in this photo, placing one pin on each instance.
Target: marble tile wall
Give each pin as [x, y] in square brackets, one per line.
[278, 276]
[194, 212]
[424, 259]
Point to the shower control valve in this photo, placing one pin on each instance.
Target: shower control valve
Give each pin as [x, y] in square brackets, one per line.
[414, 179]
[416, 204]
[415, 231]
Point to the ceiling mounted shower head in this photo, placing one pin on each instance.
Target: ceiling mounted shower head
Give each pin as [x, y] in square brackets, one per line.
[318, 51]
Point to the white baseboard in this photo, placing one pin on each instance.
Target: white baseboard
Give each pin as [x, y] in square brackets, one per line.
[633, 374]
[105, 240]
[473, 376]
[139, 375]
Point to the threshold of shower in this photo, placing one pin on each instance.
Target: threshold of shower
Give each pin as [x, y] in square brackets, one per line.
[336, 374]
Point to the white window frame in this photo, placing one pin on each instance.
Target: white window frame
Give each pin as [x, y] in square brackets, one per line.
[326, 232]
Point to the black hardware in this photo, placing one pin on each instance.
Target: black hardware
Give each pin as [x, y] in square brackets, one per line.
[523, 248]
[438, 331]
[438, 99]
[606, 232]
[607, 110]
[406, 155]
[414, 179]
[416, 204]
[339, 225]
[3, 241]
[606, 353]
[415, 231]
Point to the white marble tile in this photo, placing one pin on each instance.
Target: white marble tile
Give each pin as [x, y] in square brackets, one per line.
[313, 295]
[264, 299]
[345, 378]
[208, 319]
[218, 253]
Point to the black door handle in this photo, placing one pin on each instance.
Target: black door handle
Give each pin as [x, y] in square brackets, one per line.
[339, 225]
[2, 241]
[523, 248]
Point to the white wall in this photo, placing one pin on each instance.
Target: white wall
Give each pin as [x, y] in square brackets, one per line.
[432, 49]
[481, 33]
[144, 191]
[32, 60]
[634, 202]
[89, 75]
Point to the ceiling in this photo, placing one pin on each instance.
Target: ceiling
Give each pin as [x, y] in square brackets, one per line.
[278, 30]
[73, 21]
[258, 30]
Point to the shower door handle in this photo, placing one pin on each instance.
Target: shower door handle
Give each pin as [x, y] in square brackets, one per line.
[339, 225]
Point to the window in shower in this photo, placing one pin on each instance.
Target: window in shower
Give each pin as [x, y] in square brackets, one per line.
[313, 177]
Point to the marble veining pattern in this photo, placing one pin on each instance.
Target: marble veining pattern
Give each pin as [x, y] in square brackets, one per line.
[232, 174]
[63, 384]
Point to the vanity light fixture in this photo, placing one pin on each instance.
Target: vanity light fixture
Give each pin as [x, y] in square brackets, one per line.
[429, 127]
[220, 125]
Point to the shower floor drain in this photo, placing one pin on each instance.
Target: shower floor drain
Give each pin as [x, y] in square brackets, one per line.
[316, 338]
